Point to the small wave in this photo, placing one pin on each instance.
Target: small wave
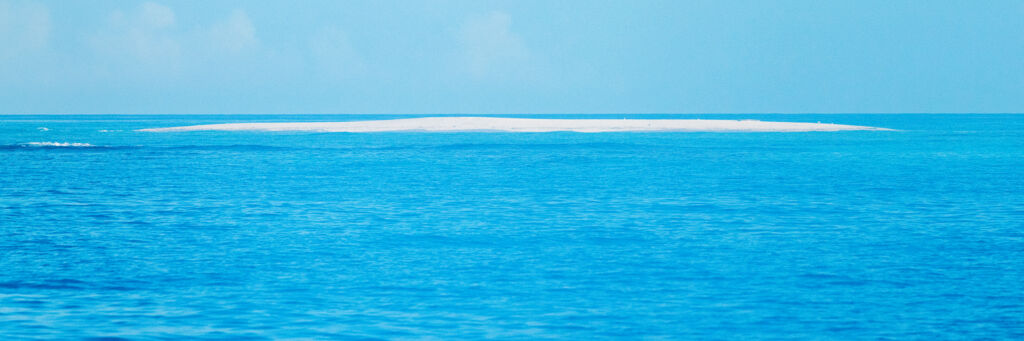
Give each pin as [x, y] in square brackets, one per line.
[51, 146]
[56, 144]
[44, 284]
[43, 129]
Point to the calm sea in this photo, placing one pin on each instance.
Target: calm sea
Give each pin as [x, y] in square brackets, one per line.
[112, 234]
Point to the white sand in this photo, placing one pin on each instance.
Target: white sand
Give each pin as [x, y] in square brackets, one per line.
[496, 124]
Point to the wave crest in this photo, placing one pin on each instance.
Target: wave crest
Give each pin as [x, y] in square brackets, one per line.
[56, 144]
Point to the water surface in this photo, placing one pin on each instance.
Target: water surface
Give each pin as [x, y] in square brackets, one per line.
[106, 232]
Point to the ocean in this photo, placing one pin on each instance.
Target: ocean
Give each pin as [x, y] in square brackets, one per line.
[107, 233]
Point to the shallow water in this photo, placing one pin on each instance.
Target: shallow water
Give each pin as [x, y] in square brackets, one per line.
[110, 233]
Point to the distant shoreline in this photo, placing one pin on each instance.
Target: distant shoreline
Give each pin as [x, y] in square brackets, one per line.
[498, 124]
[629, 114]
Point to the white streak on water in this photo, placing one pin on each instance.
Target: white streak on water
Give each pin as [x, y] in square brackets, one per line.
[56, 144]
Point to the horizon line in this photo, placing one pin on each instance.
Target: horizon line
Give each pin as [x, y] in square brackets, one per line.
[521, 114]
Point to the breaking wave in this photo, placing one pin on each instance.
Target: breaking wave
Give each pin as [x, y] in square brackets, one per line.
[56, 144]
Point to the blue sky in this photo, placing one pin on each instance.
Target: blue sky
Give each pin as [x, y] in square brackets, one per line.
[758, 56]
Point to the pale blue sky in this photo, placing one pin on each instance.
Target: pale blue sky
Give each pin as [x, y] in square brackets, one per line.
[758, 56]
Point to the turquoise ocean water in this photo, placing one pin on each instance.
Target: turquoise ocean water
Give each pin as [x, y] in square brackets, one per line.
[110, 234]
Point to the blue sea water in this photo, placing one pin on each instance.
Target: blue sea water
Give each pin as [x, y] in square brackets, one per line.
[909, 234]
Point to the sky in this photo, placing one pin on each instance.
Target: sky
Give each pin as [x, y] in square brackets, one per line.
[500, 57]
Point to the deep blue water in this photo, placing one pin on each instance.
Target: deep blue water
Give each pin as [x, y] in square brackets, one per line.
[909, 234]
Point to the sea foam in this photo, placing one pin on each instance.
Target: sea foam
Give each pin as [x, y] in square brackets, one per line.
[56, 144]
[498, 124]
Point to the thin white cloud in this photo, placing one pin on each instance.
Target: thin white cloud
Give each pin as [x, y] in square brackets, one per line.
[149, 41]
[333, 54]
[234, 34]
[490, 48]
[146, 34]
[154, 16]
[24, 28]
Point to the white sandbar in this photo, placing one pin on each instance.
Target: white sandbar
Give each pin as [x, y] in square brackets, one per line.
[497, 124]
